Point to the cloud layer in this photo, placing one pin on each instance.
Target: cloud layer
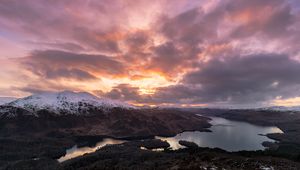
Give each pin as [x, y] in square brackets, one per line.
[194, 52]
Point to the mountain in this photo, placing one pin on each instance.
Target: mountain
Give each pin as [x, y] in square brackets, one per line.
[82, 113]
[66, 102]
[282, 108]
[4, 100]
[43, 126]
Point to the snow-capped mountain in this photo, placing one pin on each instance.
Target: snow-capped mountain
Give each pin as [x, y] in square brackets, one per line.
[4, 100]
[66, 102]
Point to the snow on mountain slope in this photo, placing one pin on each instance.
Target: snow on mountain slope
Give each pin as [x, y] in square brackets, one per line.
[4, 100]
[66, 102]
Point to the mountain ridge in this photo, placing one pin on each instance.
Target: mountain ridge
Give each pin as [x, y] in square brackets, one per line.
[5, 100]
[66, 102]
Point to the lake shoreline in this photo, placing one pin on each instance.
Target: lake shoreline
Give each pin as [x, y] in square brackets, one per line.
[53, 145]
[130, 155]
[95, 141]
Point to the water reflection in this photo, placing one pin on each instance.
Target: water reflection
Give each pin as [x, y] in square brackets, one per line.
[75, 151]
[226, 134]
[156, 149]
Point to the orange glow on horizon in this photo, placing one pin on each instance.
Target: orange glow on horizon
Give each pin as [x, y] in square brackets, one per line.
[146, 84]
[287, 102]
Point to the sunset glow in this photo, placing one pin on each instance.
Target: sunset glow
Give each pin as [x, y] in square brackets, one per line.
[184, 53]
[287, 102]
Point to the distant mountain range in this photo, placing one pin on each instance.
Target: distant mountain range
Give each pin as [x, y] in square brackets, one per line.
[78, 103]
[66, 102]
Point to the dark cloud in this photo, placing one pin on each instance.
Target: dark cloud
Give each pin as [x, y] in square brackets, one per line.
[20, 11]
[32, 90]
[60, 20]
[271, 17]
[137, 40]
[194, 27]
[69, 73]
[166, 57]
[59, 64]
[184, 33]
[40, 86]
[97, 40]
[242, 79]
[191, 34]
[124, 92]
[138, 44]
[232, 51]
[67, 46]
[233, 80]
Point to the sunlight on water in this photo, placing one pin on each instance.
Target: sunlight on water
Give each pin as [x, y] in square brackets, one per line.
[226, 134]
[75, 151]
[275, 130]
[156, 149]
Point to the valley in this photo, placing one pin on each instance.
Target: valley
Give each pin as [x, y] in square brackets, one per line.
[32, 137]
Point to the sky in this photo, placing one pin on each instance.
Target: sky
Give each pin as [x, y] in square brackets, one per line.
[158, 52]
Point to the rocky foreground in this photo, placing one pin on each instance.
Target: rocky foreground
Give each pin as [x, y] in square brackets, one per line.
[130, 155]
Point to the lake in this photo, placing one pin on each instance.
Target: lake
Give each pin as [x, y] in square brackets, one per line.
[75, 151]
[226, 134]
